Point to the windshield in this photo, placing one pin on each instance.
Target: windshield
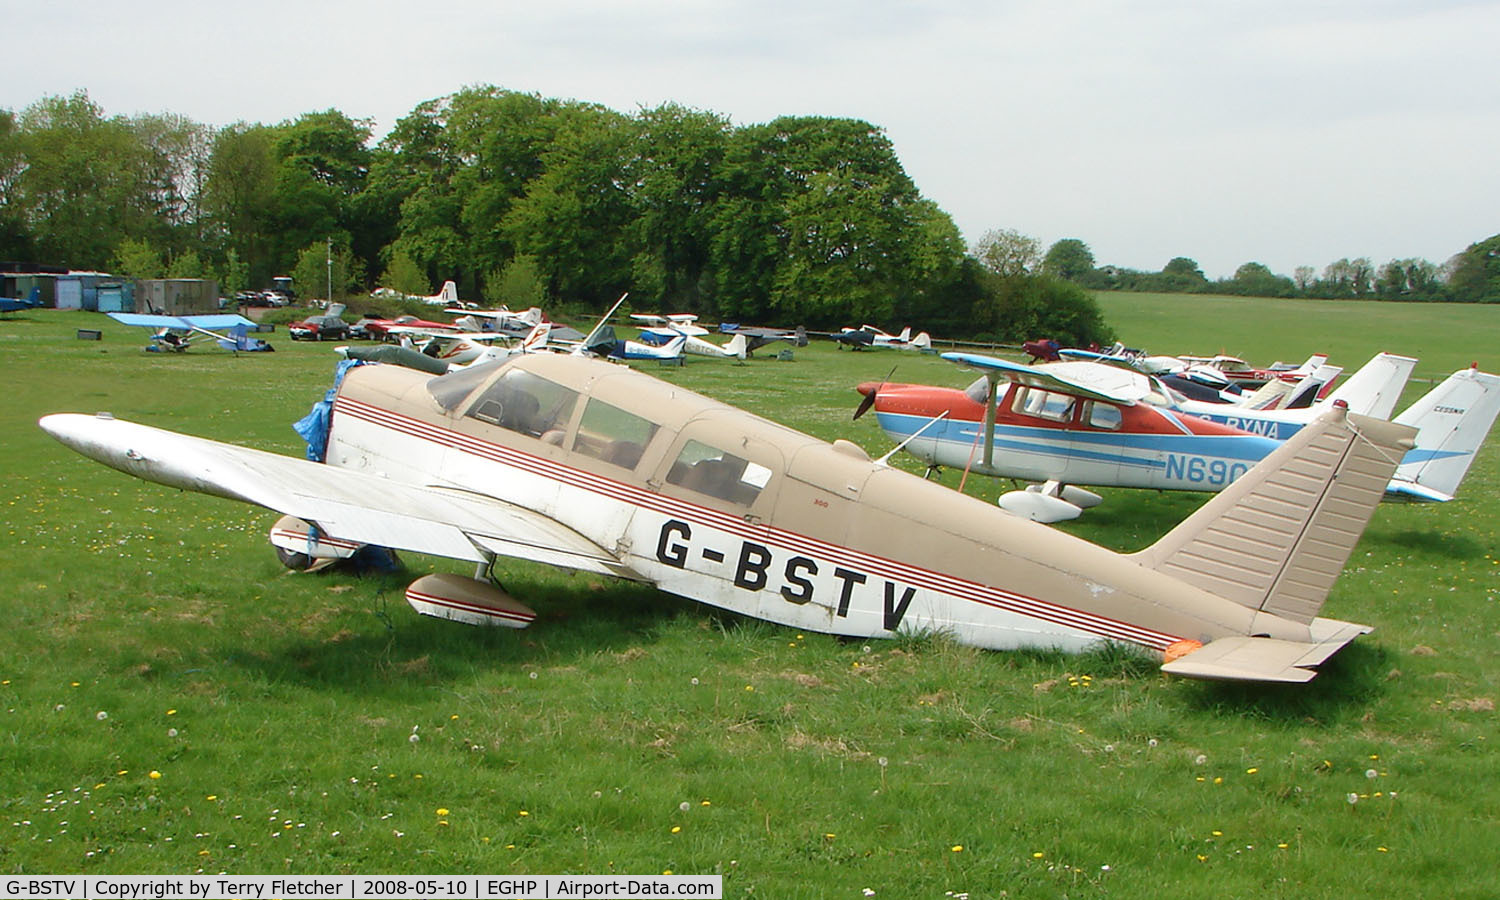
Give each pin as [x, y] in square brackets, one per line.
[979, 391]
[450, 390]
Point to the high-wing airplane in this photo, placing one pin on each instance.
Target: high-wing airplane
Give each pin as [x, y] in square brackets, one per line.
[177, 333]
[16, 304]
[760, 336]
[580, 464]
[870, 336]
[1068, 424]
[501, 319]
[662, 331]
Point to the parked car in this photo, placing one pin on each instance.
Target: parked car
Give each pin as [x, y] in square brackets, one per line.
[359, 331]
[319, 328]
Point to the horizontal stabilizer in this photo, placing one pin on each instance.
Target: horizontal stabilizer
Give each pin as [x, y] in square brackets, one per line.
[1244, 658]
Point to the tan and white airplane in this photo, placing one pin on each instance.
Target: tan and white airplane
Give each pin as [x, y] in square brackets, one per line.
[588, 465]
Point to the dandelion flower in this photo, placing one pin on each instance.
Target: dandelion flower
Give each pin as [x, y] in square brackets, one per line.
[1218, 779]
[1038, 855]
[211, 797]
[1252, 770]
[101, 715]
[706, 803]
[676, 829]
[1151, 743]
[1371, 773]
[1216, 833]
[1352, 797]
[442, 810]
[684, 806]
[153, 775]
[1200, 759]
[749, 687]
[695, 682]
[524, 813]
[171, 732]
[171, 712]
[957, 848]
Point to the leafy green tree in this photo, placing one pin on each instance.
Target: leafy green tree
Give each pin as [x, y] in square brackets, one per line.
[404, 275]
[574, 217]
[137, 259]
[234, 275]
[816, 224]
[1476, 273]
[1253, 279]
[186, 264]
[518, 285]
[313, 271]
[15, 237]
[238, 196]
[1008, 253]
[673, 174]
[1069, 259]
[86, 181]
[1022, 308]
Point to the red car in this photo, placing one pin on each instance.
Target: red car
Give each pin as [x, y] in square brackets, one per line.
[379, 329]
[319, 328]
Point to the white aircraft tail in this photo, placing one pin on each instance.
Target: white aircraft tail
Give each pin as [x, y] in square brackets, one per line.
[1304, 393]
[738, 347]
[922, 341]
[905, 334]
[1275, 541]
[532, 316]
[449, 293]
[1375, 388]
[536, 339]
[1452, 422]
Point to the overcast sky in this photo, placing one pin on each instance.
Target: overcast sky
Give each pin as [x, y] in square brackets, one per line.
[1288, 132]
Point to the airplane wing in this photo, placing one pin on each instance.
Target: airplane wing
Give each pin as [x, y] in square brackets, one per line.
[1035, 377]
[344, 504]
[211, 322]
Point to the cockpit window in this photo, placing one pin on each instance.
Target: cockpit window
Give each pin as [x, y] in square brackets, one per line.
[527, 404]
[1044, 404]
[979, 391]
[716, 473]
[1104, 416]
[610, 433]
[450, 390]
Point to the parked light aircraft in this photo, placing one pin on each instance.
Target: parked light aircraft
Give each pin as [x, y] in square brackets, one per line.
[177, 333]
[870, 336]
[501, 319]
[663, 331]
[760, 335]
[1069, 424]
[16, 304]
[580, 464]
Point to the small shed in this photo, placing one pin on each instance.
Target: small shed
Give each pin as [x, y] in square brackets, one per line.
[117, 296]
[177, 296]
[80, 290]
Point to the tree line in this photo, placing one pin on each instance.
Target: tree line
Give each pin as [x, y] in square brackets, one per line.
[1469, 276]
[520, 199]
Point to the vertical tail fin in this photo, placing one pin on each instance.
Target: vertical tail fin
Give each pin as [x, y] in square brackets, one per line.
[1277, 538]
[922, 341]
[536, 340]
[1375, 388]
[738, 347]
[1452, 422]
[449, 293]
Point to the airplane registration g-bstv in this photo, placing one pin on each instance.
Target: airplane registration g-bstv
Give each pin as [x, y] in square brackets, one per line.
[583, 464]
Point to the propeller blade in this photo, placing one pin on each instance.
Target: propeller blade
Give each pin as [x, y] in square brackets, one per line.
[871, 393]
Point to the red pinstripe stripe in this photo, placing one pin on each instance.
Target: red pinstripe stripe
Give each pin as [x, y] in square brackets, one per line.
[917, 576]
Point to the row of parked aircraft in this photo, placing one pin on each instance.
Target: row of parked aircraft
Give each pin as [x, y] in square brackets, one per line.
[565, 459]
[1065, 425]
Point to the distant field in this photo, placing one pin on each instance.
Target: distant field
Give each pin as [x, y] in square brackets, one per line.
[175, 702]
[1261, 330]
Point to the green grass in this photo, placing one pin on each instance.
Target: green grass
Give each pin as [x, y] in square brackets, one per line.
[279, 709]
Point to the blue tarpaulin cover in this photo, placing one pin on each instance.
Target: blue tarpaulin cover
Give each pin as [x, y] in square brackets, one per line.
[315, 425]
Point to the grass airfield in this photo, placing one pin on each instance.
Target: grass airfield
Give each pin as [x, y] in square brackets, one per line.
[173, 701]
